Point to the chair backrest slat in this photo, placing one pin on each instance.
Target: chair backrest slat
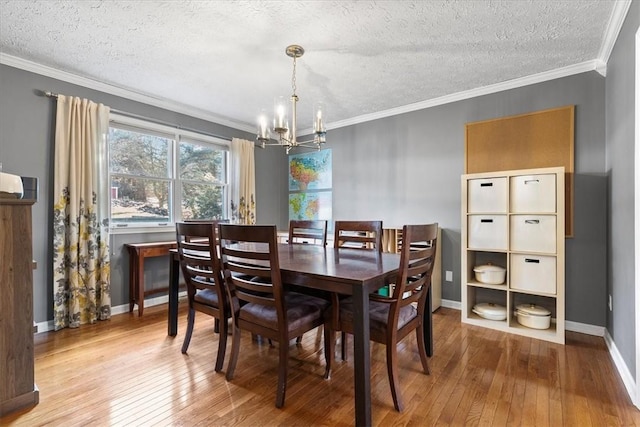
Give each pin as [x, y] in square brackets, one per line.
[358, 234]
[307, 231]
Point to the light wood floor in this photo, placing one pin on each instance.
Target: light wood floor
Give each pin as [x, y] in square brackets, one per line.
[127, 371]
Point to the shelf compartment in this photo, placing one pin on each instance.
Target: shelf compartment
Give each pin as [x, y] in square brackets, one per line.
[487, 232]
[488, 195]
[535, 273]
[517, 298]
[529, 193]
[477, 295]
[475, 258]
[533, 233]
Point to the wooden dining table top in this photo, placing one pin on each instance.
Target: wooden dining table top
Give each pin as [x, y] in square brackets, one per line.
[335, 269]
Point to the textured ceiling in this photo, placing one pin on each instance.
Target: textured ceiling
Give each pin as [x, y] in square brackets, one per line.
[225, 59]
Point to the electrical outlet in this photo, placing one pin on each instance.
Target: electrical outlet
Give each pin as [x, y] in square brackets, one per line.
[610, 303]
[448, 276]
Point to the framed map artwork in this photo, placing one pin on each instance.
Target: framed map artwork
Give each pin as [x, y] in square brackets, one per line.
[310, 184]
[310, 171]
[310, 205]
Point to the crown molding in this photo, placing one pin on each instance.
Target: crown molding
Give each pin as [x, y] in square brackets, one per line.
[618, 14]
[67, 77]
[197, 113]
[582, 67]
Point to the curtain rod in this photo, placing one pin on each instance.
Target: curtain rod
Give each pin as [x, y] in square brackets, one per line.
[148, 119]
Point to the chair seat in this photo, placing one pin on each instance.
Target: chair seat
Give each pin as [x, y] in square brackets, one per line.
[300, 309]
[378, 314]
[207, 296]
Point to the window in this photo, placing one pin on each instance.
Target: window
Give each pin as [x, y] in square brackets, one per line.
[159, 174]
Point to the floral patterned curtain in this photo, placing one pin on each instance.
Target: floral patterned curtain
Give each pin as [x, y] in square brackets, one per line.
[81, 269]
[243, 182]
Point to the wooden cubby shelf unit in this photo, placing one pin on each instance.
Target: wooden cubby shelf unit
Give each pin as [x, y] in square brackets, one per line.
[515, 219]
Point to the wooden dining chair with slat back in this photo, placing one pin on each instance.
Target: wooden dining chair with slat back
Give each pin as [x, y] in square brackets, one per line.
[358, 234]
[310, 232]
[197, 249]
[249, 256]
[366, 235]
[392, 318]
[313, 232]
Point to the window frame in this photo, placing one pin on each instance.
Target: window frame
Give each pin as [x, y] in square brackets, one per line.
[176, 136]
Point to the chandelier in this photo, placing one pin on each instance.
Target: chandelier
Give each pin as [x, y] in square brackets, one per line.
[286, 136]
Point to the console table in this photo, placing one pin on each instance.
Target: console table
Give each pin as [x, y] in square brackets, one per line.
[138, 252]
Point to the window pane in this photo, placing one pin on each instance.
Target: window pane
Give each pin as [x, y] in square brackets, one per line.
[135, 153]
[201, 163]
[201, 201]
[139, 200]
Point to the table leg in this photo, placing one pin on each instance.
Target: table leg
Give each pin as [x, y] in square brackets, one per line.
[362, 357]
[174, 269]
[133, 275]
[428, 324]
[140, 283]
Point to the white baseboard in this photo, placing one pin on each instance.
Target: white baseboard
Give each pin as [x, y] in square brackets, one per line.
[447, 303]
[119, 309]
[584, 328]
[621, 366]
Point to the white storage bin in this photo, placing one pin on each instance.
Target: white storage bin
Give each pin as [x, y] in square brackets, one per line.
[533, 273]
[533, 233]
[533, 193]
[487, 195]
[487, 232]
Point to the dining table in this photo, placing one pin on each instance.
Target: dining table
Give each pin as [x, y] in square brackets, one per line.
[346, 271]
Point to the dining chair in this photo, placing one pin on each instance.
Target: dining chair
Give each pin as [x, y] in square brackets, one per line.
[197, 249]
[392, 318]
[308, 231]
[358, 234]
[365, 235]
[260, 304]
[313, 232]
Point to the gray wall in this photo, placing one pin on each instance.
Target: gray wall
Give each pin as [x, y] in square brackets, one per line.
[620, 118]
[406, 169]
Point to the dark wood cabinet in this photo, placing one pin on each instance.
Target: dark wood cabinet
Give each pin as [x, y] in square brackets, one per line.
[17, 386]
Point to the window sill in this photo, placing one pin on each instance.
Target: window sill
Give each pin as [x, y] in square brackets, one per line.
[143, 230]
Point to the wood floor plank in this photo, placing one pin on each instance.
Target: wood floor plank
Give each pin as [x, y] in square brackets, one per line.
[126, 372]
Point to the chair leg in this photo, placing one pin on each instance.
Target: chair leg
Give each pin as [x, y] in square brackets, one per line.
[222, 343]
[187, 337]
[392, 370]
[422, 349]
[235, 349]
[329, 350]
[216, 326]
[299, 339]
[283, 367]
[343, 345]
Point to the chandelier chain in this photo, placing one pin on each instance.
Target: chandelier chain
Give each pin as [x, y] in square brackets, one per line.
[293, 77]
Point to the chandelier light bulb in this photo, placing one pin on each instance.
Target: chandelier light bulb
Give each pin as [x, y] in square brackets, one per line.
[264, 133]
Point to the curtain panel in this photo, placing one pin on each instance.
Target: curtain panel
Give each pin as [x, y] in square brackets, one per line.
[81, 267]
[243, 182]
